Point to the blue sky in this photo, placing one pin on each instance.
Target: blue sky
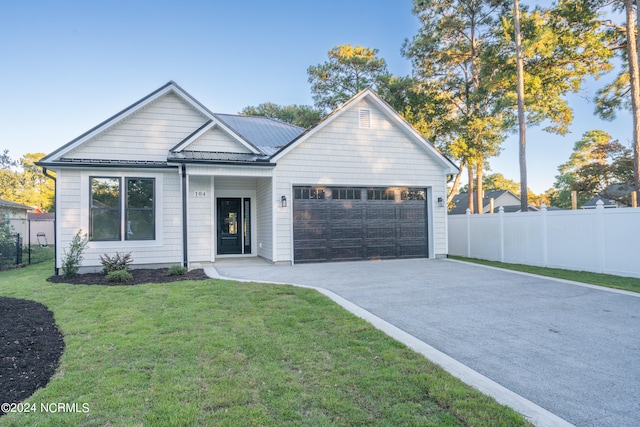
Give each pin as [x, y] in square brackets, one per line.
[66, 66]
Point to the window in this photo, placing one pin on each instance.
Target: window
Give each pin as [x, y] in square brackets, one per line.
[139, 211]
[108, 208]
[346, 193]
[308, 193]
[381, 194]
[413, 194]
[104, 220]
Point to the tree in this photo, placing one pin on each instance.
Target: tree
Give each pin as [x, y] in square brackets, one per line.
[419, 103]
[559, 47]
[598, 165]
[450, 52]
[624, 91]
[26, 185]
[522, 124]
[496, 181]
[8, 177]
[349, 70]
[299, 115]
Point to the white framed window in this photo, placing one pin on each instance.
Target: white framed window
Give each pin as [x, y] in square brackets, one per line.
[122, 208]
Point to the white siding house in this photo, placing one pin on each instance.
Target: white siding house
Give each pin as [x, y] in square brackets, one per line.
[173, 183]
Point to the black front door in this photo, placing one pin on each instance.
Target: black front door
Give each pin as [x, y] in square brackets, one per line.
[229, 226]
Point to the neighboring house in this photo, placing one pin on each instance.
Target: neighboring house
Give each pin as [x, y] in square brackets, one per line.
[607, 203]
[614, 196]
[505, 198]
[173, 183]
[15, 216]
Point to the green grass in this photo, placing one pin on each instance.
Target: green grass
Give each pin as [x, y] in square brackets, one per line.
[225, 353]
[618, 282]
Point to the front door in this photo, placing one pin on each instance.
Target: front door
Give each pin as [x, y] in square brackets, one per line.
[229, 226]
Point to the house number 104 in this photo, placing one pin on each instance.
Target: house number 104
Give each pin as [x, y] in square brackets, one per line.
[199, 194]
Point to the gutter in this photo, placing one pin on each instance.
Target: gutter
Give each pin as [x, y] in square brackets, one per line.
[185, 258]
[46, 173]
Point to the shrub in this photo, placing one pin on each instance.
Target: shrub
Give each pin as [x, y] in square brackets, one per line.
[119, 276]
[72, 259]
[178, 270]
[7, 244]
[115, 263]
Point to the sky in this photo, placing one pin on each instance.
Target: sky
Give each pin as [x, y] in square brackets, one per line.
[66, 66]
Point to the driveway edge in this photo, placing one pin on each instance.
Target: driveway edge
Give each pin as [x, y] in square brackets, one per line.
[555, 279]
[532, 412]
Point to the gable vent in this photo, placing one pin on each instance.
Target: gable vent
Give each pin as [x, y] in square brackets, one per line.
[364, 118]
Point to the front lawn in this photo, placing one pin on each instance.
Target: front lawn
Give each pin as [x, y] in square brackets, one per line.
[617, 282]
[213, 352]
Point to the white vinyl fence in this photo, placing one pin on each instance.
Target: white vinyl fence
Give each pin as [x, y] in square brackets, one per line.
[598, 240]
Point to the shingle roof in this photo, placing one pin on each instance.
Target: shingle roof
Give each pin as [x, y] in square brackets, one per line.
[461, 201]
[13, 205]
[266, 134]
[608, 203]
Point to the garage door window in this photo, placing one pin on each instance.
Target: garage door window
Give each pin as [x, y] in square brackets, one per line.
[381, 194]
[346, 193]
[413, 194]
[308, 193]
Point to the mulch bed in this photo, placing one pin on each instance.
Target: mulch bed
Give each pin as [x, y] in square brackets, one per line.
[30, 348]
[140, 276]
[30, 342]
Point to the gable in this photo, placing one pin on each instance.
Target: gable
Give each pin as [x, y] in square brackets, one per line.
[366, 117]
[147, 134]
[507, 199]
[344, 148]
[216, 140]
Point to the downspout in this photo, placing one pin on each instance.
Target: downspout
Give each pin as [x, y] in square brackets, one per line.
[185, 259]
[45, 172]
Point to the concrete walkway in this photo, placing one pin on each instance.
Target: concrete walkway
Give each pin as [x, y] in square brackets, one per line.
[554, 350]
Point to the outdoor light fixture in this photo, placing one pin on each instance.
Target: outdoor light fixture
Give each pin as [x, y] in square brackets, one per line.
[440, 202]
[283, 200]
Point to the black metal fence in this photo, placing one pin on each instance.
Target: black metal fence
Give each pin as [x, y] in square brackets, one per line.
[10, 250]
[26, 241]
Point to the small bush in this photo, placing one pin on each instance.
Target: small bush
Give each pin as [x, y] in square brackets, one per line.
[115, 263]
[119, 276]
[178, 270]
[72, 259]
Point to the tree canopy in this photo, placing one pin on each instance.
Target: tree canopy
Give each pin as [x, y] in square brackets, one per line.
[23, 182]
[598, 165]
[348, 70]
[451, 52]
[300, 115]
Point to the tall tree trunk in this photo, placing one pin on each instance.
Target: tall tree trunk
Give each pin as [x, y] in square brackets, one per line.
[634, 78]
[480, 191]
[524, 202]
[456, 183]
[470, 190]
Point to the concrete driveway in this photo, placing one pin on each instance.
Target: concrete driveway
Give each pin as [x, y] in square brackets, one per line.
[571, 349]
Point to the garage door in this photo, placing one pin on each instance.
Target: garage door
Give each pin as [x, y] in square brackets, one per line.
[347, 223]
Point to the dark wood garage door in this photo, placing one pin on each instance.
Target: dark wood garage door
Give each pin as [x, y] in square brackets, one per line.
[346, 223]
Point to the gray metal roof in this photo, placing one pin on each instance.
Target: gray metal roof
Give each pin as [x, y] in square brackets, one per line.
[266, 134]
[216, 156]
